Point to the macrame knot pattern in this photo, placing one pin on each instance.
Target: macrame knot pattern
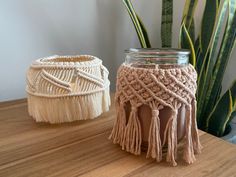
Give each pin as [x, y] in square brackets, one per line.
[155, 113]
[174, 88]
[67, 88]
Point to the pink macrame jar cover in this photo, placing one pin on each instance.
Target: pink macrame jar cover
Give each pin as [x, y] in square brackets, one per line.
[174, 88]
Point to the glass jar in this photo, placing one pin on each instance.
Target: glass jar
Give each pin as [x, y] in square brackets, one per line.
[155, 58]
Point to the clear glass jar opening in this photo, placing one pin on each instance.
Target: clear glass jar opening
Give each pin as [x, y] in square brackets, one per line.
[157, 58]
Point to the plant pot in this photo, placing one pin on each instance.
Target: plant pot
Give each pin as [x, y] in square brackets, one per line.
[67, 88]
[156, 105]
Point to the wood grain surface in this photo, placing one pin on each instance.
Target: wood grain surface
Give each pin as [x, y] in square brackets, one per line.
[83, 149]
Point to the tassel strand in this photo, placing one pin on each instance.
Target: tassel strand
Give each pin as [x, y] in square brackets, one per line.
[118, 130]
[172, 137]
[196, 142]
[188, 155]
[132, 136]
[154, 139]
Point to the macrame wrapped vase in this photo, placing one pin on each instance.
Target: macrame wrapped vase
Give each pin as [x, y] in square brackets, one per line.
[156, 104]
[67, 88]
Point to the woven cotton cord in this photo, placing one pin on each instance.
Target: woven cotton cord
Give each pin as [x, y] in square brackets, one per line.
[174, 88]
[76, 69]
[67, 81]
[154, 140]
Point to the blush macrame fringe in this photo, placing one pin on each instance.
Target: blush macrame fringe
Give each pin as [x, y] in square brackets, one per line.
[158, 88]
[67, 88]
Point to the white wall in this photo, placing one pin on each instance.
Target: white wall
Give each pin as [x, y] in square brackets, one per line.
[33, 29]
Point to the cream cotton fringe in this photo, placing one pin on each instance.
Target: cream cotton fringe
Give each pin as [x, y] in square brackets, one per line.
[173, 88]
[67, 88]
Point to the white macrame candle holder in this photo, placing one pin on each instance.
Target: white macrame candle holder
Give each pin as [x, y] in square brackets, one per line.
[67, 88]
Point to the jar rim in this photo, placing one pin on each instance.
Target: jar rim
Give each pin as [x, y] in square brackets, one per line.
[158, 51]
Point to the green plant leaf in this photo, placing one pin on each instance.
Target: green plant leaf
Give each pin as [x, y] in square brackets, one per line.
[199, 60]
[199, 54]
[166, 22]
[233, 115]
[191, 31]
[197, 45]
[233, 93]
[136, 22]
[223, 57]
[218, 94]
[186, 43]
[207, 25]
[222, 113]
[200, 82]
[188, 17]
[145, 34]
[187, 31]
[215, 40]
[207, 65]
[188, 13]
[208, 20]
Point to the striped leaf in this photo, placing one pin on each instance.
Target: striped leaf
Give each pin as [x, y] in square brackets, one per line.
[166, 22]
[145, 34]
[218, 94]
[233, 93]
[208, 62]
[136, 23]
[223, 56]
[215, 39]
[207, 25]
[186, 43]
[188, 20]
[222, 113]
[188, 16]
[188, 13]
[191, 31]
[208, 20]
[198, 53]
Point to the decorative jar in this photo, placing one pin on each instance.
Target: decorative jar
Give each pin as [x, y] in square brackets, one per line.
[156, 104]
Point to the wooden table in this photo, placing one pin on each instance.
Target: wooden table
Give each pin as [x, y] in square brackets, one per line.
[83, 148]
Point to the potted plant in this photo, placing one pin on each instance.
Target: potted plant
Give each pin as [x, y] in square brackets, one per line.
[215, 109]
